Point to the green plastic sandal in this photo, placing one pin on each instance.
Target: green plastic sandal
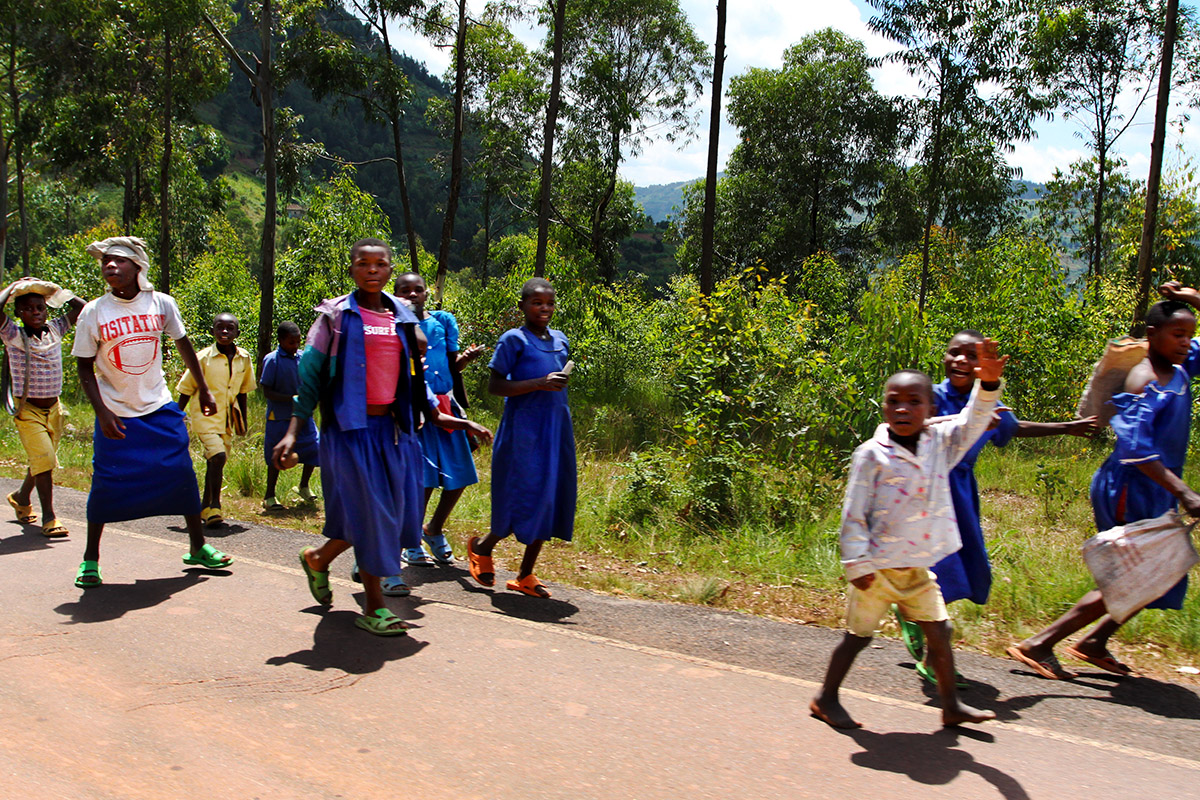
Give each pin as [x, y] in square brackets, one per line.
[380, 623]
[925, 672]
[318, 582]
[914, 638]
[88, 569]
[209, 557]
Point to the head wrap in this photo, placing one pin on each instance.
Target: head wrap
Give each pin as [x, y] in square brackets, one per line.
[130, 247]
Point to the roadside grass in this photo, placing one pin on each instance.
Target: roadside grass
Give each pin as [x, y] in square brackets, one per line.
[1033, 498]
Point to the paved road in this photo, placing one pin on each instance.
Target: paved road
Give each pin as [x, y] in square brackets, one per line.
[174, 682]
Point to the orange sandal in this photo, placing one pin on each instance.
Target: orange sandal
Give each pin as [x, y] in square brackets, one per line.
[480, 565]
[530, 585]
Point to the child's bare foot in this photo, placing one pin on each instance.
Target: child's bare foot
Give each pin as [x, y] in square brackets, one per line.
[959, 713]
[831, 713]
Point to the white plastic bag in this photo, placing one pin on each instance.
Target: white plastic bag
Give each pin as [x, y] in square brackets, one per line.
[1135, 564]
[1108, 377]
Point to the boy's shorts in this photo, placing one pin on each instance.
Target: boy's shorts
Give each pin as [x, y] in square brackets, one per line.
[40, 430]
[215, 443]
[913, 589]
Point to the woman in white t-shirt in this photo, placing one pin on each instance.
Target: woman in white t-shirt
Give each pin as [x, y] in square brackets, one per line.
[141, 466]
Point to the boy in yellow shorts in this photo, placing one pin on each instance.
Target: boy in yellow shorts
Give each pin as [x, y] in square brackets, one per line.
[35, 364]
[898, 521]
[230, 377]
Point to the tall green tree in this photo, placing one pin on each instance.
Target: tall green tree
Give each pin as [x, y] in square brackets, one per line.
[959, 51]
[816, 137]
[635, 69]
[275, 62]
[1099, 60]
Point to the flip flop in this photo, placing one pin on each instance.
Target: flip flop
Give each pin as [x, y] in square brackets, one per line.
[306, 495]
[912, 635]
[318, 582]
[214, 518]
[394, 587]
[1105, 662]
[480, 565]
[415, 557]
[271, 504]
[88, 569]
[382, 623]
[925, 672]
[1048, 668]
[529, 585]
[54, 529]
[209, 557]
[440, 550]
[24, 513]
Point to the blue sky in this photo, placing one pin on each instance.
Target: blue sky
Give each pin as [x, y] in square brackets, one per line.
[757, 33]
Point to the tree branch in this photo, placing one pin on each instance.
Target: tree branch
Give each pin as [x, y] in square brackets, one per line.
[229, 48]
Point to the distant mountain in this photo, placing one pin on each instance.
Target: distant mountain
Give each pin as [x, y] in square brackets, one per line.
[665, 200]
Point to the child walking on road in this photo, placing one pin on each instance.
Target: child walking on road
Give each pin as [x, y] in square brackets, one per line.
[448, 462]
[230, 377]
[898, 520]
[533, 458]
[279, 379]
[141, 466]
[35, 362]
[1142, 479]
[967, 574]
[361, 366]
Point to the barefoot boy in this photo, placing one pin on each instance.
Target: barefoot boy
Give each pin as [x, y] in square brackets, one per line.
[35, 359]
[140, 463]
[230, 377]
[898, 520]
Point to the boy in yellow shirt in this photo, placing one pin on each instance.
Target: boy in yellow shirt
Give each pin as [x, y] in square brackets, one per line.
[230, 377]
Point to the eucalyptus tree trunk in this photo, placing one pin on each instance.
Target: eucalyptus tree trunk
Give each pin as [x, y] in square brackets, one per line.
[560, 20]
[456, 153]
[394, 121]
[164, 174]
[1150, 221]
[714, 134]
[266, 91]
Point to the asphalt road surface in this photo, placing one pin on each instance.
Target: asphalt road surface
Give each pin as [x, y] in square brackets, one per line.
[171, 681]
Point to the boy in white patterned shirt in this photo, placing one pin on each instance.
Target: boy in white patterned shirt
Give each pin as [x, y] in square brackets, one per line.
[35, 360]
[898, 520]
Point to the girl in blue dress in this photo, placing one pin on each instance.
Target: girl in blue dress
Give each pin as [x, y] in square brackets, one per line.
[1142, 478]
[967, 574]
[361, 368]
[533, 457]
[448, 462]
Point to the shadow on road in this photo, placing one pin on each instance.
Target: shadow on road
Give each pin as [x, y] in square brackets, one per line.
[114, 600]
[338, 644]
[1170, 700]
[535, 609]
[27, 540]
[219, 532]
[938, 762]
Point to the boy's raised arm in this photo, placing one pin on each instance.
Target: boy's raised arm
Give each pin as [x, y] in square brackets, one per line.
[973, 421]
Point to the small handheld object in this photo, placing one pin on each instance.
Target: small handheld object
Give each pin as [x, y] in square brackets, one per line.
[566, 370]
[290, 460]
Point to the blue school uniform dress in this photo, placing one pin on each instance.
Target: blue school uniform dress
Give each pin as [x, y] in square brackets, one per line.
[967, 574]
[1151, 426]
[533, 455]
[448, 462]
[281, 373]
[370, 465]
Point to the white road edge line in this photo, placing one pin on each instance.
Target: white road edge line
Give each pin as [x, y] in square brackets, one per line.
[1041, 733]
